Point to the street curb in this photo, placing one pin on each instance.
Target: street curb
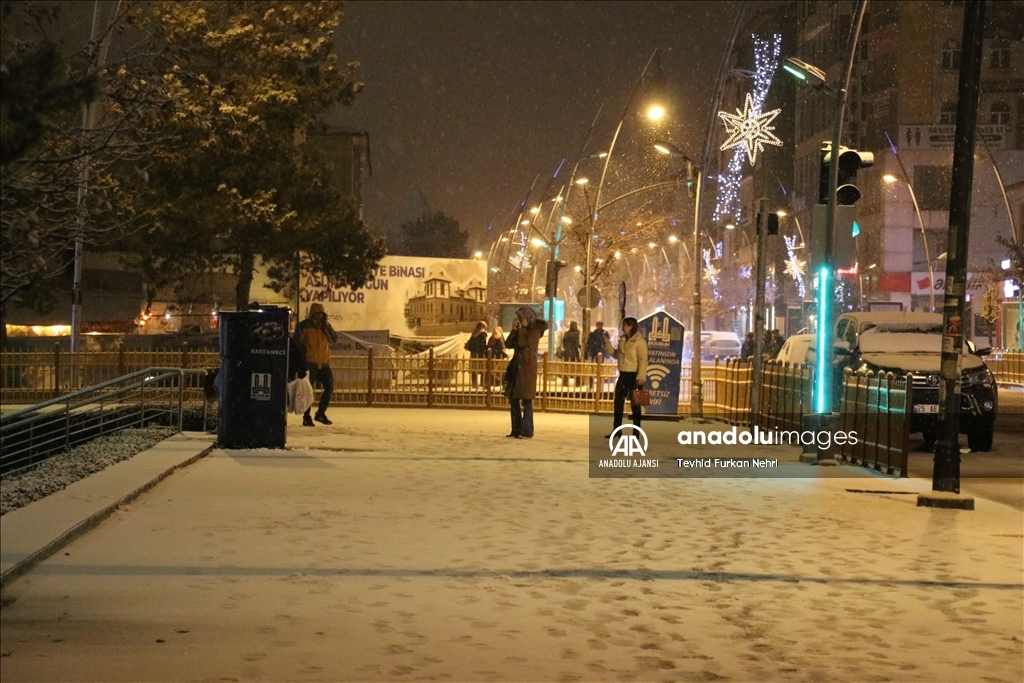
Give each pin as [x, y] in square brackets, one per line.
[92, 521]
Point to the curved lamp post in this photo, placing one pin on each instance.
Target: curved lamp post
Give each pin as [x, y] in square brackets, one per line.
[1016, 240]
[654, 113]
[890, 178]
[783, 214]
[696, 397]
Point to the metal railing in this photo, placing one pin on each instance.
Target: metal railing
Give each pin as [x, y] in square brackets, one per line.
[32, 376]
[877, 408]
[1006, 365]
[146, 397]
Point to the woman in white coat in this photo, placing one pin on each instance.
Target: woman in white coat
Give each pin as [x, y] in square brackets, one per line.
[631, 355]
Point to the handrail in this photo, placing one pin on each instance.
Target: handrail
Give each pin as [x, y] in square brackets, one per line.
[81, 392]
[34, 434]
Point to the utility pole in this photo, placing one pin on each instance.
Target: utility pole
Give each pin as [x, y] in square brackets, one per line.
[759, 322]
[946, 475]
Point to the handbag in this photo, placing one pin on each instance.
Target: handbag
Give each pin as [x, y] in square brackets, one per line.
[640, 397]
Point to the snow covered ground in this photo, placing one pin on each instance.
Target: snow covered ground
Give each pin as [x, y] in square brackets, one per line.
[76, 463]
[404, 544]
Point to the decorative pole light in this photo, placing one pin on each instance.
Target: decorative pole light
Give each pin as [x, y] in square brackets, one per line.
[795, 265]
[750, 128]
[766, 61]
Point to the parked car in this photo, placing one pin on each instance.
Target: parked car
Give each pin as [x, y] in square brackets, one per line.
[712, 343]
[798, 349]
[911, 344]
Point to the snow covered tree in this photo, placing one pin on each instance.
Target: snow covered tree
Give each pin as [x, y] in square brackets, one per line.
[246, 81]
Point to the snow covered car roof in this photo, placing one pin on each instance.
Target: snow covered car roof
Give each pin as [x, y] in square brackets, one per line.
[908, 351]
[906, 320]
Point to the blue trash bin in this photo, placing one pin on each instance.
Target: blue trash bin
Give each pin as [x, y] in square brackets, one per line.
[253, 378]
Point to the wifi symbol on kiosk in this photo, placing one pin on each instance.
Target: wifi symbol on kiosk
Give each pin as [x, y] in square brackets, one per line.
[657, 373]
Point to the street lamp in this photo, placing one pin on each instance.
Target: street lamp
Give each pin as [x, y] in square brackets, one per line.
[696, 386]
[783, 214]
[890, 178]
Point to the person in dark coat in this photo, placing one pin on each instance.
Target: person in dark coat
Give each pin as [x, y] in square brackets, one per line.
[496, 350]
[477, 347]
[496, 344]
[571, 344]
[596, 340]
[521, 377]
[747, 350]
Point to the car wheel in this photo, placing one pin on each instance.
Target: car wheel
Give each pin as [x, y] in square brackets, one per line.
[929, 437]
[979, 439]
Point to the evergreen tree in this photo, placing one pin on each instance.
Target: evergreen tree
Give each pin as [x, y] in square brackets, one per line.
[246, 81]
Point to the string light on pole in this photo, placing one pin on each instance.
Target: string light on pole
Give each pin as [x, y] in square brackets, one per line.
[795, 265]
[766, 61]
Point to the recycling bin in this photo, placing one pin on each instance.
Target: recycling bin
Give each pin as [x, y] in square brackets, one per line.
[253, 378]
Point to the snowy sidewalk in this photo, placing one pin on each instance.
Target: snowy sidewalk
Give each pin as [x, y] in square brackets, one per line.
[37, 530]
[404, 544]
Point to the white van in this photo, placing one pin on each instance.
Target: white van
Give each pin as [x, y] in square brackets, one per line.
[713, 343]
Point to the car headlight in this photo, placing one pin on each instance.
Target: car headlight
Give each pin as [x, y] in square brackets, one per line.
[978, 376]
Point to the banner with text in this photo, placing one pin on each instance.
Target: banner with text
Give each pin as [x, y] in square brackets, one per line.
[410, 296]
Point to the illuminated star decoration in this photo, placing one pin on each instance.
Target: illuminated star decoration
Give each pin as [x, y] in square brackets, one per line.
[750, 128]
[766, 62]
[795, 265]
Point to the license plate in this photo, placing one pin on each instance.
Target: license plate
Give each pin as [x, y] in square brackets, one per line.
[932, 408]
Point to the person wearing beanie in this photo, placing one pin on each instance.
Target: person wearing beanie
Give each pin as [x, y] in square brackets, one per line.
[316, 335]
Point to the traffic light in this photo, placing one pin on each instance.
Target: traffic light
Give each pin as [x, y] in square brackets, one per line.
[551, 278]
[850, 161]
[691, 178]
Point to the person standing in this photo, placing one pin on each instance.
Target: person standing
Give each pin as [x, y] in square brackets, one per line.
[496, 344]
[596, 341]
[316, 335]
[631, 355]
[477, 347]
[571, 344]
[521, 385]
[495, 350]
[747, 350]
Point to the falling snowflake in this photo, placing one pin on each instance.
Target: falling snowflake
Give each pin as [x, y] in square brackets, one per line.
[750, 128]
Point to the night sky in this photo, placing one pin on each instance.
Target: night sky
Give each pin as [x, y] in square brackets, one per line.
[469, 101]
